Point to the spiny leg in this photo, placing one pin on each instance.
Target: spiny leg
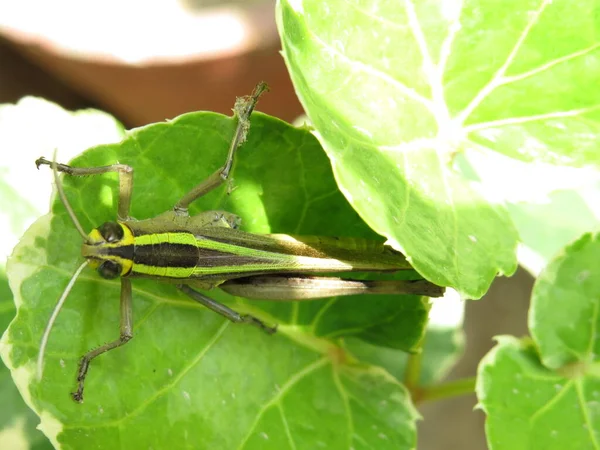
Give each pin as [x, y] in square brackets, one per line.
[125, 180]
[125, 335]
[223, 310]
[243, 109]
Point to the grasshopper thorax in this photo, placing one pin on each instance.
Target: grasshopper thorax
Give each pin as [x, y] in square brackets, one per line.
[109, 249]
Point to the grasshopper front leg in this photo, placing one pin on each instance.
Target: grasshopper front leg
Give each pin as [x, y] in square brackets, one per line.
[125, 180]
[125, 336]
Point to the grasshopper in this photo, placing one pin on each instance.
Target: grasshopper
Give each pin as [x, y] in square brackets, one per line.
[208, 250]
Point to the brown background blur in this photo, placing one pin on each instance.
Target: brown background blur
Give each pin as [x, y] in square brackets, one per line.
[140, 95]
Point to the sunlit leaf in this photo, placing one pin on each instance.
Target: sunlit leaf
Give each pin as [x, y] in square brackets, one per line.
[545, 393]
[396, 89]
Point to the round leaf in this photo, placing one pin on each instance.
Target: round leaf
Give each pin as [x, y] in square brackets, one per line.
[565, 304]
[528, 406]
[186, 366]
[395, 90]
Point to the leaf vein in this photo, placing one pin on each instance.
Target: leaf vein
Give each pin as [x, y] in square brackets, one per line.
[161, 391]
[347, 408]
[446, 48]
[594, 331]
[286, 427]
[550, 64]
[280, 394]
[550, 402]
[589, 425]
[439, 109]
[526, 119]
[319, 315]
[370, 15]
[498, 77]
[361, 67]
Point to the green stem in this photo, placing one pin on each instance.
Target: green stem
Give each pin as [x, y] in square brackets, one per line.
[412, 372]
[446, 390]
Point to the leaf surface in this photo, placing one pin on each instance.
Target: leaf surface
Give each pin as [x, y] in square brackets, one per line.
[397, 89]
[188, 371]
[545, 392]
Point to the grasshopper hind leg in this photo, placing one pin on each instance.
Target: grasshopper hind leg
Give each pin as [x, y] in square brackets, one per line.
[225, 311]
[243, 108]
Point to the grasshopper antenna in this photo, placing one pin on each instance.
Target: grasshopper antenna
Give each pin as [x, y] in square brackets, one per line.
[50, 324]
[65, 202]
[65, 294]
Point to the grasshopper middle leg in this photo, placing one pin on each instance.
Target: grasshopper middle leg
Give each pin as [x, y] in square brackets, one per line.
[225, 311]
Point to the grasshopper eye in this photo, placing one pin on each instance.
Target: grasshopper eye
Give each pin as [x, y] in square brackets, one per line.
[111, 231]
[109, 270]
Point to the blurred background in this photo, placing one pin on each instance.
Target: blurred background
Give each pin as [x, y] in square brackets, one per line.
[145, 62]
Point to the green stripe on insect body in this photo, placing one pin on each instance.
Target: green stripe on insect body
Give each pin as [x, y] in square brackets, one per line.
[183, 255]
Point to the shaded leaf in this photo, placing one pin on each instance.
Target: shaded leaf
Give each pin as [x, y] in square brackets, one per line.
[443, 344]
[187, 366]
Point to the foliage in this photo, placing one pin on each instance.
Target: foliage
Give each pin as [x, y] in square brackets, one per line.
[456, 130]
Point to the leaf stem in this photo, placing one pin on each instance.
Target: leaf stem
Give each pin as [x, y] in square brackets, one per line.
[412, 372]
[448, 389]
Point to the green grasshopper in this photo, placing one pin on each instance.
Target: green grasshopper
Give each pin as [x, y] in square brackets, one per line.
[208, 250]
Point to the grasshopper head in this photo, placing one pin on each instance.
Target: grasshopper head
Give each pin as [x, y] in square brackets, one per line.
[109, 249]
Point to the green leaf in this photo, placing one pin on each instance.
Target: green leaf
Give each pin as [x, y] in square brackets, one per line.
[395, 90]
[17, 421]
[532, 407]
[536, 99]
[565, 304]
[546, 393]
[188, 367]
